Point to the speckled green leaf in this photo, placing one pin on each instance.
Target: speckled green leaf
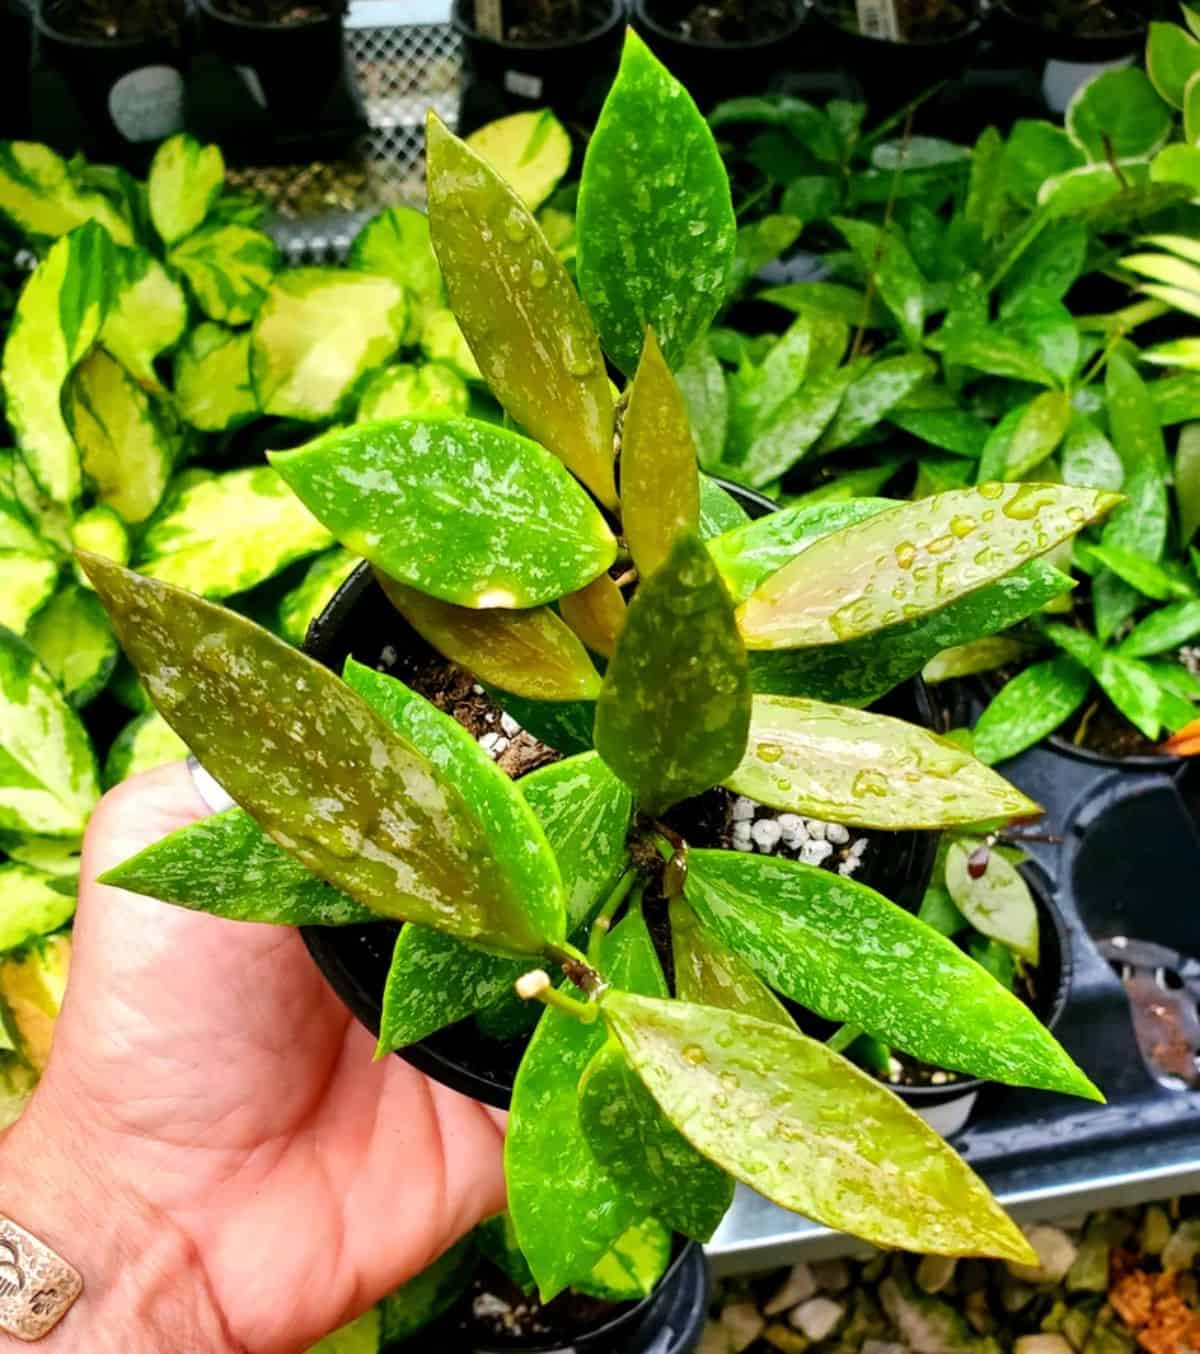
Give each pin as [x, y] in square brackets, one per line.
[546, 1158]
[72, 637]
[213, 390]
[319, 332]
[53, 522]
[32, 905]
[27, 581]
[57, 320]
[531, 151]
[719, 510]
[952, 430]
[146, 742]
[396, 243]
[123, 435]
[532, 653]
[465, 511]
[708, 973]
[1152, 580]
[321, 772]
[40, 197]
[1037, 150]
[836, 763]
[1176, 398]
[1172, 58]
[1042, 426]
[1088, 457]
[883, 256]
[1165, 629]
[404, 390]
[226, 534]
[148, 314]
[911, 561]
[674, 709]
[48, 783]
[701, 379]
[796, 428]
[844, 951]
[873, 395]
[660, 486]
[1128, 683]
[435, 980]
[185, 181]
[229, 269]
[305, 602]
[515, 303]
[1118, 114]
[632, 1268]
[102, 531]
[758, 390]
[998, 903]
[966, 660]
[808, 1130]
[1030, 707]
[647, 1157]
[656, 225]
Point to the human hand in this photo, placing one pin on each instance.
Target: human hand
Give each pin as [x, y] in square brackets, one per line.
[213, 1146]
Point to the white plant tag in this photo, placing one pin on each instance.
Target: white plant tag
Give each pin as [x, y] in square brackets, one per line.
[879, 19]
[489, 20]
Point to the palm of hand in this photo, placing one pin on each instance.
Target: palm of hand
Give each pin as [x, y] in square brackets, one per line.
[218, 1077]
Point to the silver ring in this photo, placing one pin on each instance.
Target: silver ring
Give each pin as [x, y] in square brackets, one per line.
[214, 796]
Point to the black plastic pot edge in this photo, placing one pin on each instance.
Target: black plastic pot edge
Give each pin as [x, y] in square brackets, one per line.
[467, 30]
[1066, 46]
[234, 21]
[971, 32]
[642, 18]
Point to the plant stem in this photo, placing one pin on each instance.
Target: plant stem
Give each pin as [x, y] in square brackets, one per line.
[537, 986]
[841, 1039]
[608, 909]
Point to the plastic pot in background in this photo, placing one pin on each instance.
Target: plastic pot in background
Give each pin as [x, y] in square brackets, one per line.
[272, 93]
[16, 49]
[571, 77]
[715, 70]
[114, 99]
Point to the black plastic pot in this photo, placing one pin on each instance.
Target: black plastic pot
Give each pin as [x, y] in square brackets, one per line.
[113, 99]
[713, 71]
[16, 49]
[272, 93]
[572, 77]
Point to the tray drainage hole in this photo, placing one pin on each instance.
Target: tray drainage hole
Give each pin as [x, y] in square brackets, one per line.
[1168, 979]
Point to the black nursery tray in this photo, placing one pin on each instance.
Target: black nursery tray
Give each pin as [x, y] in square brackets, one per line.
[1128, 866]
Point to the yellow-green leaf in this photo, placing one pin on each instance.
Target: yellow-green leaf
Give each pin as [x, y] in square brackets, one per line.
[530, 151]
[596, 614]
[993, 897]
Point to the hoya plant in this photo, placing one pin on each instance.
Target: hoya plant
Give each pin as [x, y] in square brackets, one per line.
[576, 563]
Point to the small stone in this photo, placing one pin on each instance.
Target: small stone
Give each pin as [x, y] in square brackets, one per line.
[1042, 1344]
[815, 852]
[817, 1318]
[798, 1287]
[1015, 1296]
[743, 809]
[935, 1272]
[388, 656]
[1056, 1254]
[509, 725]
[794, 832]
[1089, 1272]
[895, 1070]
[837, 834]
[816, 829]
[490, 716]
[1183, 1247]
[883, 1347]
[940, 1079]
[488, 743]
[743, 844]
[978, 1312]
[741, 832]
[744, 1323]
[786, 1341]
[858, 846]
[501, 744]
[832, 1276]
[715, 1340]
[766, 833]
[1156, 1230]
[488, 1305]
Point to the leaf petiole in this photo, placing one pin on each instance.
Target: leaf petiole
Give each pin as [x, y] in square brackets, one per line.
[841, 1039]
[608, 910]
[538, 986]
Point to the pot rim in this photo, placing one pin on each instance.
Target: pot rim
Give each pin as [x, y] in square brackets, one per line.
[972, 29]
[46, 29]
[1005, 7]
[210, 11]
[1139, 761]
[469, 33]
[641, 15]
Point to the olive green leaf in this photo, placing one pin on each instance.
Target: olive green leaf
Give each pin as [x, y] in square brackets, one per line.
[1187, 481]
[435, 980]
[529, 331]
[708, 973]
[966, 660]
[213, 390]
[1029, 707]
[531, 653]
[1042, 426]
[229, 269]
[1118, 114]
[656, 226]
[660, 486]
[796, 427]
[912, 561]
[643, 1152]
[228, 533]
[41, 198]
[674, 710]
[852, 766]
[465, 511]
[546, 1158]
[1088, 458]
[146, 742]
[530, 151]
[396, 244]
[399, 391]
[1163, 630]
[596, 614]
[993, 897]
[57, 320]
[809, 945]
[882, 256]
[807, 1129]
[702, 382]
[285, 737]
[1172, 58]
[305, 602]
[124, 440]
[48, 783]
[185, 181]
[72, 637]
[32, 905]
[27, 581]
[147, 316]
[873, 395]
[319, 332]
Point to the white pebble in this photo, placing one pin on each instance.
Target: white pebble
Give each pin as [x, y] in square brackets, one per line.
[816, 829]
[741, 832]
[501, 744]
[388, 656]
[740, 844]
[509, 725]
[817, 1317]
[847, 868]
[858, 847]
[798, 1287]
[836, 833]
[766, 833]
[490, 716]
[488, 742]
[815, 853]
[793, 829]
[743, 809]
[477, 689]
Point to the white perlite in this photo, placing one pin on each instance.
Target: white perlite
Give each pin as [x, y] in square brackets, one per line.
[809, 840]
[798, 1287]
[817, 1318]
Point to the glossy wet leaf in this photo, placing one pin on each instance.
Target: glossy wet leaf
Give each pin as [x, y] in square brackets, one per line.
[469, 512]
[436, 980]
[75, 643]
[229, 269]
[660, 486]
[1172, 59]
[318, 333]
[647, 1157]
[320, 771]
[1088, 458]
[530, 151]
[845, 952]
[851, 766]
[213, 389]
[148, 315]
[656, 224]
[405, 389]
[997, 903]
[223, 535]
[185, 181]
[702, 383]
[674, 710]
[56, 322]
[808, 1130]
[911, 561]
[882, 256]
[48, 783]
[719, 510]
[966, 660]
[531, 653]
[872, 397]
[796, 428]
[1128, 683]
[709, 973]
[953, 430]
[514, 301]
[396, 243]
[1150, 579]
[596, 614]
[1118, 114]
[757, 390]
[1030, 707]
[145, 743]
[1037, 151]
[1176, 398]
[1164, 630]
[1048, 269]
[41, 197]
[1042, 426]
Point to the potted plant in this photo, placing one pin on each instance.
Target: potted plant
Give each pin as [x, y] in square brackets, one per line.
[107, 77]
[523, 55]
[270, 80]
[720, 49]
[359, 799]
